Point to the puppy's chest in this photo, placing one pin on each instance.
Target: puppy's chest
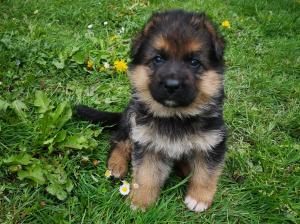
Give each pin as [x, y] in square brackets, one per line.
[171, 140]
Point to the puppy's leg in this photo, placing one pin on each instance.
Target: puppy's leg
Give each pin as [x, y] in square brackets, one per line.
[119, 157]
[203, 183]
[149, 175]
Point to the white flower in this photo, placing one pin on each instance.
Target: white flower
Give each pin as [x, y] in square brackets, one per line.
[84, 159]
[106, 65]
[90, 26]
[124, 188]
[105, 23]
[36, 12]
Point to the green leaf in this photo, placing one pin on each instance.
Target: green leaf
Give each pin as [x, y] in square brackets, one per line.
[19, 107]
[58, 64]
[21, 159]
[57, 190]
[79, 57]
[61, 115]
[74, 50]
[48, 141]
[76, 141]
[61, 135]
[42, 102]
[69, 186]
[34, 172]
[3, 105]
[41, 61]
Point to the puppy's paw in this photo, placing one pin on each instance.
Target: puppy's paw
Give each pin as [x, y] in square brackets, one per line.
[118, 168]
[142, 198]
[118, 160]
[136, 208]
[196, 205]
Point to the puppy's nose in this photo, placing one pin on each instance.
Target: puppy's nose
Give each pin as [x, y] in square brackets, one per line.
[172, 85]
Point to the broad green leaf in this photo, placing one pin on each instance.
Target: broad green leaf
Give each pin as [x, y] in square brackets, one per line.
[76, 141]
[56, 179]
[57, 190]
[21, 159]
[61, 135]
[79, 57]
[41, 61]
[61, 115]
[42, 102]
[69, 186]
[58, 64]
[48, 141]
[3, 105]
[33, 172]
[19, 107]
[74, 50]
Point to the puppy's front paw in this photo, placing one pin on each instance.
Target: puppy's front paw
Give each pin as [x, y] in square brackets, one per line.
[135, 208]
[119, 158]
[196, 205]
[118, 167]
[142, 198]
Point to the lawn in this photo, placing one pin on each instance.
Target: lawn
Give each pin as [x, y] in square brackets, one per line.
[55, 54]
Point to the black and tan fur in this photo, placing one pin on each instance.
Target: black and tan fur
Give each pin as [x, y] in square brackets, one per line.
[175, 115]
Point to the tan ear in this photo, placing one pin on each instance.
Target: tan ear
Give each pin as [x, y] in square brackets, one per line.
[200, 20]
[138, 40]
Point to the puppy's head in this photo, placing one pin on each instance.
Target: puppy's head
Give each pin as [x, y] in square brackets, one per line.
[177, 63]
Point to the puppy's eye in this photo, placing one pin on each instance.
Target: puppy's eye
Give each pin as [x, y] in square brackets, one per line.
[195, 63]
[158, 59]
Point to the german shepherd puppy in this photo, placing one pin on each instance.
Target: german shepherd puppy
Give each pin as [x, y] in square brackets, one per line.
[175, 115]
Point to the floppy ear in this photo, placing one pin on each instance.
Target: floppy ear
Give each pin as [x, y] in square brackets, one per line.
[218, 40]
[138, 40]
[200, 20]
[136, 44]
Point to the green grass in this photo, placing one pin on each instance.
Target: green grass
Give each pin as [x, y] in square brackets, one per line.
[47, 50]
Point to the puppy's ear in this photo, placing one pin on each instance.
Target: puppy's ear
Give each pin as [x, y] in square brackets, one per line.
[136, 45]
[218, 40]
[200, 20]
[138, 40]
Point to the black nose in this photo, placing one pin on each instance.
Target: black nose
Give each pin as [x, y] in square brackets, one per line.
[172, 85]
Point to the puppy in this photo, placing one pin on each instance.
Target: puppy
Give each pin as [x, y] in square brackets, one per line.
[175, 115]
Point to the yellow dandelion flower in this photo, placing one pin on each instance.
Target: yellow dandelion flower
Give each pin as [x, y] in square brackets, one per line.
[120, 66]
[225, 24]
[89, 64]
[124, 189]
[113, 37]
[107, 173]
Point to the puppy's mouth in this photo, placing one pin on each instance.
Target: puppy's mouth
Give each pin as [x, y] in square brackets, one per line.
[181, 99]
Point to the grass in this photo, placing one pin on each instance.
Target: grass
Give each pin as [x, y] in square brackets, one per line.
[44, 47]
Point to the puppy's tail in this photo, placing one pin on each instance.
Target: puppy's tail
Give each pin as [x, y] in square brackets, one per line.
[95, 116]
